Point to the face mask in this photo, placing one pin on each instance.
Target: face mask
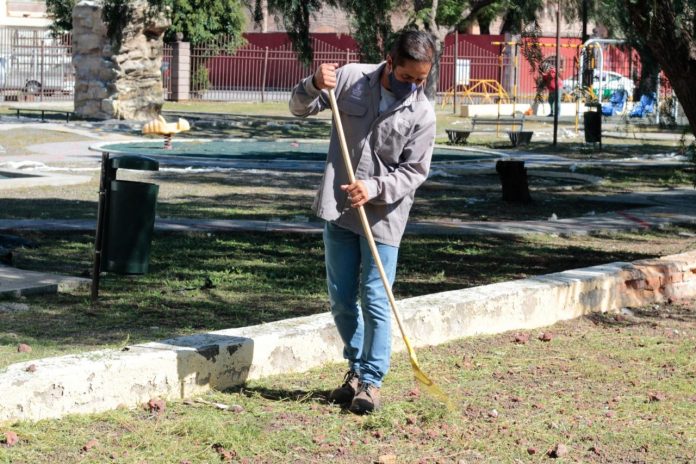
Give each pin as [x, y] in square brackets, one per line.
[400, 89]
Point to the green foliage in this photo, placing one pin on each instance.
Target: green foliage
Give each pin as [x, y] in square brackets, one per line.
[61, 12]
[519, 13]
[296, 16]
[531, 50]
[200, 80]
[372, 27]
[198, 20]
[203, 20]
[450, 12]
[116, 14]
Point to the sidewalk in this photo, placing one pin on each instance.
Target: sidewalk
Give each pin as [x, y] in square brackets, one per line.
[670, 207]
[664, 208]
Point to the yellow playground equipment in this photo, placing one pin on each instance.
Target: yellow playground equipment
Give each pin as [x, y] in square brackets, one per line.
[484, 90]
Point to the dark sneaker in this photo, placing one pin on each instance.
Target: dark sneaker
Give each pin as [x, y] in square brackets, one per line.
[366, 400]
[345, 393]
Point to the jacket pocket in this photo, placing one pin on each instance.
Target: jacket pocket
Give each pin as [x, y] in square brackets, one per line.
[352, 108]
[390, 145]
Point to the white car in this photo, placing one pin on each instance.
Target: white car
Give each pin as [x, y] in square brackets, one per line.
[611, 82]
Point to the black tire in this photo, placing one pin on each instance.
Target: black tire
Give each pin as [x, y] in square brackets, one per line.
[32, 88]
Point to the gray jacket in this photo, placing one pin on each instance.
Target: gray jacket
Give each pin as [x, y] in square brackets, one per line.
[390, 153]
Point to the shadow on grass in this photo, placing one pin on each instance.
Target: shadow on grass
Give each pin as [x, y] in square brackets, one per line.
[47, 208]
[202, 282]
[643, 317]
[301, 396]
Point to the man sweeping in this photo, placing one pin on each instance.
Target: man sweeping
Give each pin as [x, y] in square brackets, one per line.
[389, 127]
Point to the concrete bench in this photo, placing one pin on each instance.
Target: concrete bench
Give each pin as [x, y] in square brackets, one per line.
[43, 110]
[518, 136]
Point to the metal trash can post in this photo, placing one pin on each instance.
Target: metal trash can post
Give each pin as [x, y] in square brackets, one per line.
[593, 125]
[125, 219]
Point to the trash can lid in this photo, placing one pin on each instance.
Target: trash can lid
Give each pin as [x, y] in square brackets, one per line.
[140, 163]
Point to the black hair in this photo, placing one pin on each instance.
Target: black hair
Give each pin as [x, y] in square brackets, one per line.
[413, 45]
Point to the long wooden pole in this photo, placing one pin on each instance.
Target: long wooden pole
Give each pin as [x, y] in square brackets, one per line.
[419, 374]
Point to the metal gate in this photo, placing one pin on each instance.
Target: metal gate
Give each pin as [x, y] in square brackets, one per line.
[35, 65]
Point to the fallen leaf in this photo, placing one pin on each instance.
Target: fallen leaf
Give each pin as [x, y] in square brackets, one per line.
[413, 393]
[521, 338]
[23, 348]
[558, 451]
[236, 408]
[156, 405]
[90, 444]
[225, 455]
[10, 439]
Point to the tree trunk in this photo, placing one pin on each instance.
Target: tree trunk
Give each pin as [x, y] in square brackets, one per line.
[513, 180]
[434, 77]
[672, 46]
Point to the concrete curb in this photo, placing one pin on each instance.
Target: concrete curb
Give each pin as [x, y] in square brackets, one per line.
[186, 366]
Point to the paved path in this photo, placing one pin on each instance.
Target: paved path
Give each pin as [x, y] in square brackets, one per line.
[666, 208]
[16, 282]
[662, 208]
[654, 210]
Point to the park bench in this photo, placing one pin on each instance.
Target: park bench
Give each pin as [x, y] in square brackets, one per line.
[518, 136]
[43, 110]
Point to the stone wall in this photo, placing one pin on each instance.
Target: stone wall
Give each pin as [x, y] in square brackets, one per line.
[111, 81]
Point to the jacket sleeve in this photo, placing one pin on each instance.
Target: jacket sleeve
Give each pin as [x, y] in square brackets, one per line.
[412, 170]
[307, 100]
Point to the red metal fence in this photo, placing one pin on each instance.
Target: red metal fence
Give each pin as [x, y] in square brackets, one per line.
[36, 65]
[488, 68]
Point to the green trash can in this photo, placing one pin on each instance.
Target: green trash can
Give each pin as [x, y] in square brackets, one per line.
[130, 218]
[593, 126]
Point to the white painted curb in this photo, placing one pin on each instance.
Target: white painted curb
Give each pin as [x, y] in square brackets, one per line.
[187, 366]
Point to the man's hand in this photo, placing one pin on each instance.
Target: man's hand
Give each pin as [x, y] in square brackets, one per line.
[325, 76]
[357, 192]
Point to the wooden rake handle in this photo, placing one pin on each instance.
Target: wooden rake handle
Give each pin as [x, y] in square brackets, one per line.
[366, 224]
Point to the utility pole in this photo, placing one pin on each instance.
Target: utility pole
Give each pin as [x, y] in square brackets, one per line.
[558, 70]
[584, 21]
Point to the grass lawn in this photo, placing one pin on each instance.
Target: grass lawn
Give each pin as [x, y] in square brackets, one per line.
[611, 389]
[608, 388]
[259, 278]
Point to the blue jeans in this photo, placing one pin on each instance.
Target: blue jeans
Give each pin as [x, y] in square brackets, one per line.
[359, 303]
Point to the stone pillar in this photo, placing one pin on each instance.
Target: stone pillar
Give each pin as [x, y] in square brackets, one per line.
[181, 70]
[121, 81]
